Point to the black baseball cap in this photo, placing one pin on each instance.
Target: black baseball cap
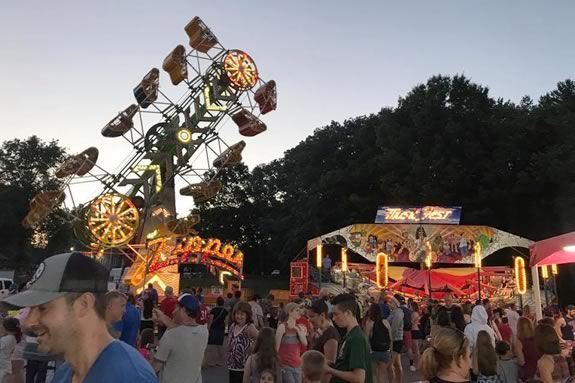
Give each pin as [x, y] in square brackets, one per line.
[62, 274]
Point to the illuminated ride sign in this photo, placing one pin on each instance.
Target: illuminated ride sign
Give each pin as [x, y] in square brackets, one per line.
[208, 252]
[422, 214]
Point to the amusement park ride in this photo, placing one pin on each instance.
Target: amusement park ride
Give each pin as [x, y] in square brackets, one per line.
[135, 210]
[418, 251]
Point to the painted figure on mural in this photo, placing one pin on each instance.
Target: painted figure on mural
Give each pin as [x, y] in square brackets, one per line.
[356, 238]
[453, 244]
[389, 247]
[471, 245]
[420, 234]
[404, 248]
[437, 244]
[418, 253]
[446, 247]
[371, 247]
[463, 249]
[381, 248]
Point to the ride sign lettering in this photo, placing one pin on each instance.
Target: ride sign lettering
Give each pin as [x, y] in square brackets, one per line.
[424, 214]
[198, 250]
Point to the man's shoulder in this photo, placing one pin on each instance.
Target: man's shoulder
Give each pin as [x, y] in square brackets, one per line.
[120, 352]
[63, 374]
[132, 311]
[118, 362]
[125, 364]
[332, 332]
[166, 301]
[357, 336]
[178, 332]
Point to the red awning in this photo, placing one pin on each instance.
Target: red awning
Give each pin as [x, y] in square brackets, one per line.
[553, 251]
[417, 282]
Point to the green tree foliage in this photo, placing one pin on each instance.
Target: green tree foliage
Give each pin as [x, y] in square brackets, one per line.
[24, 172]
[447, 142]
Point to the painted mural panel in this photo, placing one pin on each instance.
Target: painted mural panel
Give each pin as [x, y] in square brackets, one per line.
[407, 242]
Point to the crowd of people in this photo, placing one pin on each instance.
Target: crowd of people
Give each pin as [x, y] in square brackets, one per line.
[484, 343]
[69, 319]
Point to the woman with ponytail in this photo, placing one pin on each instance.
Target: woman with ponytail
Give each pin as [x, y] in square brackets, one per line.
[448, 359]
[11, 335]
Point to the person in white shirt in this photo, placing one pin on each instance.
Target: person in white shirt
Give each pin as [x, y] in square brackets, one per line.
[513, 317]
[11, 336]
[478, 323]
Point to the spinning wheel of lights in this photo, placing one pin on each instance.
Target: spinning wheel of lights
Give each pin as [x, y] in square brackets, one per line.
[113, 219]
[241, 70]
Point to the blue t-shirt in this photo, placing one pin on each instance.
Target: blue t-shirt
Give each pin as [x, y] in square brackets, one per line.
[129, 326]
[117, 363]
[386, 311]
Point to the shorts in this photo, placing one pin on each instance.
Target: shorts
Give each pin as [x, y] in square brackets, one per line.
[407, 339]
[291, 374]
[417, 335]
[381, 356]
[397, 346]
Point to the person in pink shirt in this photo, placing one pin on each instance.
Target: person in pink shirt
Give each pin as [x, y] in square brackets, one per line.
[146, 344]
[290, 337]
[505, 330]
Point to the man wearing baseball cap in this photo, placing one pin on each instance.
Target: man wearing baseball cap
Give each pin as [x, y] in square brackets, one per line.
[67, 305]
[181, 352]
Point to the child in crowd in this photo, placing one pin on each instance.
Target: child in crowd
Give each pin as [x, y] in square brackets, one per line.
[11, 335]
[313, 363]
[146, 339]
[264, 358]
[507, 368]
[267, 376]
[291, 337]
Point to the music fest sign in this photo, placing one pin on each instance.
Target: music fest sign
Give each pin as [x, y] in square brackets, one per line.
[420, 214]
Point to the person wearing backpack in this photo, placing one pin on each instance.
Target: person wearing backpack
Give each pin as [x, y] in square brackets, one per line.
[378, 330]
